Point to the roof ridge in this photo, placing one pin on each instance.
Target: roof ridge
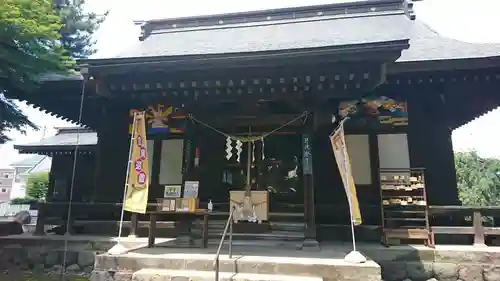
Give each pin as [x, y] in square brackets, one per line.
[408, 8]
[353, 7]
[277, 22]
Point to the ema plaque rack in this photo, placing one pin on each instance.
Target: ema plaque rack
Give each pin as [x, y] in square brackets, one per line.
[405, 215]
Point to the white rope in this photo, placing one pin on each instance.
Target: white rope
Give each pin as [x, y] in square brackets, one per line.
[70, 203]
[248, 139]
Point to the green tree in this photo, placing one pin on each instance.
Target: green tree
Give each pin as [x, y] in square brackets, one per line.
[29, 46]
[78, 28]
[37, 185]
[478, 179]
[36, 38]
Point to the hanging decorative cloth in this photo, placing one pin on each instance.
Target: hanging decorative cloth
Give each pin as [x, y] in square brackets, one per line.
[253, 151]
[249, 138]
[262, 149]
[229, 148]
[239, 144]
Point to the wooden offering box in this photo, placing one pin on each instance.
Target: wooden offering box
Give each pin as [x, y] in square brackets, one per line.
[260, 202]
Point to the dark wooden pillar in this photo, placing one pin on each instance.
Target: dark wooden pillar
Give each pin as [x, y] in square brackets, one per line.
[310, 241]
[188, 154]
[114, 144]
[155, 190]
[97, 170]
[430, 145]
[184, 226]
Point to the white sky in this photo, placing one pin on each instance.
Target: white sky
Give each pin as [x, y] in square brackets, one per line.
[467, 20]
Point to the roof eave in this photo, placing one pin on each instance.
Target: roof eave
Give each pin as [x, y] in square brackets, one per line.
[52, 148]
[333, 53]
[440, 65]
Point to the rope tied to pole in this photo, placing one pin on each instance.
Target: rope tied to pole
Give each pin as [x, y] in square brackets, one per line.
[73, 176]
[249, 138]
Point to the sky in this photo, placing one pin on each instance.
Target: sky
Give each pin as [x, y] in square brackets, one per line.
[474, 21]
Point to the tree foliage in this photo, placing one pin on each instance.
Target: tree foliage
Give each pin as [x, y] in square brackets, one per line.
[478, 179]
[29, 33]
[78, 28]
[37, 185]
[37, 38]
[11, 117]
[23, 201]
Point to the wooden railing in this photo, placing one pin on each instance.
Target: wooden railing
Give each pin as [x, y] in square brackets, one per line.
[459, 214]
[49, 212]
[448, 220]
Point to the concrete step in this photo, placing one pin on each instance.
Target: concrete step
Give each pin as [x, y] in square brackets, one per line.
[295, 244]
[279, 226]
[273, 235]
[286, 263]
[189, 275]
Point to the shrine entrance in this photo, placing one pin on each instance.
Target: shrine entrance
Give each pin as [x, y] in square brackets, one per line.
[257, 167]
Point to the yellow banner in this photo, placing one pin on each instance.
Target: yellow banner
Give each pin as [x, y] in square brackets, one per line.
[136, 199]
[344, 164]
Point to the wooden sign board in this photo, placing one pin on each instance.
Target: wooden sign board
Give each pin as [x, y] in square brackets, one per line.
[191, 189]
[172, 191]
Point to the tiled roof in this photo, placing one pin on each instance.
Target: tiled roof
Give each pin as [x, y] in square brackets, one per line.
[65, 138]
[428, 45]
[179, 37]
[29, 161]
[314, 32]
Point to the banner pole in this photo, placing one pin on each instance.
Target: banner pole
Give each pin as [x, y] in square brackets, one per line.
[119, 248]
[354, 256]
[349, 199]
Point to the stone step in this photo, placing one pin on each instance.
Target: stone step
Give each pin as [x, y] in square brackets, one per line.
[273, 235]
[284, 264]
[273, 216]
[189, 275]
[280, 226]
[296, 244]
[214, 242]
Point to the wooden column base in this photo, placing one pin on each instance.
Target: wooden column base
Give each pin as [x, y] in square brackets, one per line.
[310, 245]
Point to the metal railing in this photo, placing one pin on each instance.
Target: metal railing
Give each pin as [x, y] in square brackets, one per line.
[228, 227]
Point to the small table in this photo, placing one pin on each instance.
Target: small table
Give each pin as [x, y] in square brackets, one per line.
[174, 215]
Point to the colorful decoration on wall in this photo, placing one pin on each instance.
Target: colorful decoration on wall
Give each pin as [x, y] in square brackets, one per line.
[161, 119]
[383, 109]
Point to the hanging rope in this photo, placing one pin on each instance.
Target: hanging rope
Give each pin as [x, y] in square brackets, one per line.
[248, 138]
[73, 176]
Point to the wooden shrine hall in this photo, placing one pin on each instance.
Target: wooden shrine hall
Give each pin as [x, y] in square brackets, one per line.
[249, 99]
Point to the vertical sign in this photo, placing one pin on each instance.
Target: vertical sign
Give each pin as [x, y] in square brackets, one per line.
[306, 155]
[344, 165]
[136, 197]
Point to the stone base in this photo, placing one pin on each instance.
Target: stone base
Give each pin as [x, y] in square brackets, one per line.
[183, 266]
[155, 274]
[248, 227]
[310, 245]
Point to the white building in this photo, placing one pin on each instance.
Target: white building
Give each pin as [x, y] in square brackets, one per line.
[6, 183]
[22, 170]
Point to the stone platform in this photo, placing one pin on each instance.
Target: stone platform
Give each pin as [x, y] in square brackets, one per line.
[247, 263]
[86, 254]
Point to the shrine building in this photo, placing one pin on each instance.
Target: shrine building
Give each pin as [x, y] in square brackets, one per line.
[253, 95]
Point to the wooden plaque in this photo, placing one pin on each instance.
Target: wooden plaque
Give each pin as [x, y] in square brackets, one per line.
[167, 204]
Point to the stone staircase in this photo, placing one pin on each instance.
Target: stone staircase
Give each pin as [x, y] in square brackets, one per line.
[161, 264]
[288, 234]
